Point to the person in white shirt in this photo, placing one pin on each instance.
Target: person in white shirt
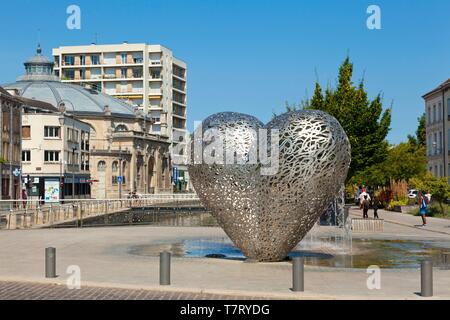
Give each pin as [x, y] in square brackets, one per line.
[361, 196]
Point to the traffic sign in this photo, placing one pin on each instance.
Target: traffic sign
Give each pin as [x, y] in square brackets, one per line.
[16, 172]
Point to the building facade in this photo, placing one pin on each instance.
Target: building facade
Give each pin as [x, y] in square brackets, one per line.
[147, 77]
[55, 153]
[437, 109]
[10, 148]
[113, 142]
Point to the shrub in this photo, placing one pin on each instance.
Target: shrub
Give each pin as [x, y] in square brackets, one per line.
[394, 203]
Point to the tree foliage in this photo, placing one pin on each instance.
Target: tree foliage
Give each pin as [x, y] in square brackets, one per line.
[420, 140]
[437, 187]
[364, 120]
[403, 162]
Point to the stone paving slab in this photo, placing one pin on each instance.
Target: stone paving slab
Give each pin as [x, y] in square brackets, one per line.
[13, 290]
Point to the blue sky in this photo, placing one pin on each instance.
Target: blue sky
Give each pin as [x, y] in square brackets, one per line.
[253, 55]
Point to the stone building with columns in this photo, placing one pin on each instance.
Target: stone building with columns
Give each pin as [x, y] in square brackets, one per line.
[123, 155]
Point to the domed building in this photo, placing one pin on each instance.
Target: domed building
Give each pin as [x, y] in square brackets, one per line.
[122, 156]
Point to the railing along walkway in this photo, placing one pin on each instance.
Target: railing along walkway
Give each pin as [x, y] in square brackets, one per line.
[26, 214]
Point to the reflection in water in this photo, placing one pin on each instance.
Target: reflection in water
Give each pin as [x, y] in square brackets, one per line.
[384, 253]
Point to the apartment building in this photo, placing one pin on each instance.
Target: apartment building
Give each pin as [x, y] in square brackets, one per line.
[437, 109]
[148, 77]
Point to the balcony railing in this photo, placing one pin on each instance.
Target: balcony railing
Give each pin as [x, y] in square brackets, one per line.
[155, 62]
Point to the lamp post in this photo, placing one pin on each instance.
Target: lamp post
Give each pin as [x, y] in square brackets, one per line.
[62, 120]
[73, 171]
[120, 175]
[61, 161]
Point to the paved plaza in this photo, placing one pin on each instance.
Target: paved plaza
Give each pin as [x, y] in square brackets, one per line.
[110, 270]
[10, 290]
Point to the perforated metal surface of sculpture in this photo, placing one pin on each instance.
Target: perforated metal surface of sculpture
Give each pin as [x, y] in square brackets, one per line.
[266, 215]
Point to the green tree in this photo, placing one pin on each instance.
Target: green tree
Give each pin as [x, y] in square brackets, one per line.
[364, 120]
[420, 140]
[403, 162]
[437, 187]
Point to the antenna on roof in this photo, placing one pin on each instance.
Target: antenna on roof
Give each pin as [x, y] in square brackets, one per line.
[39, 37]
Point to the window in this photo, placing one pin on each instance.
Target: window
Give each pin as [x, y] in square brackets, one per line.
[101, 166]
[26, 155]
[115, 169]
[72, 135]
[115, 166]
[123, 72]
[434, 113]
[51, 132]
[448, 137]
[121, 128]
[439, 111]
[69, 75]
[430, 144]
[95, 59]
[26, 132]
[69, 60]
[84, 141]
[429, 114]
[435, 144]
[124, 57]
[51, 156]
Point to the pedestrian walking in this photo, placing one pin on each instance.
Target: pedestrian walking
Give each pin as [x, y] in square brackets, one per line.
[423, 208]
[362, 196]
[365, 207]
[375, 208]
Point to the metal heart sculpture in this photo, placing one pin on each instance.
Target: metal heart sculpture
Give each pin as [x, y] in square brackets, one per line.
[266, 216]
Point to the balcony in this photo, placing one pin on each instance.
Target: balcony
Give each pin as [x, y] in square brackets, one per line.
[155, 76]
[181, 112]
[109, 76]
[155, 92]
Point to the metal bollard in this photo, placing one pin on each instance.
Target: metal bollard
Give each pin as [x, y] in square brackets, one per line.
[298, 274]
[426, 278]
[50, 262]
[164, 268]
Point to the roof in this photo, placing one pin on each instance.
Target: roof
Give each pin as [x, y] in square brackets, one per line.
[37, 104]
[4, 91]
[39, 58]
[77, 100]
[444, 85]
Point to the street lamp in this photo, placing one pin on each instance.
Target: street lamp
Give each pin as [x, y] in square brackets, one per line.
[120, 174]
[62, 121]
[73, 171]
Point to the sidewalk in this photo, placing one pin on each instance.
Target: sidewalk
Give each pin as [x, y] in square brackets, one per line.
[436, 225]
